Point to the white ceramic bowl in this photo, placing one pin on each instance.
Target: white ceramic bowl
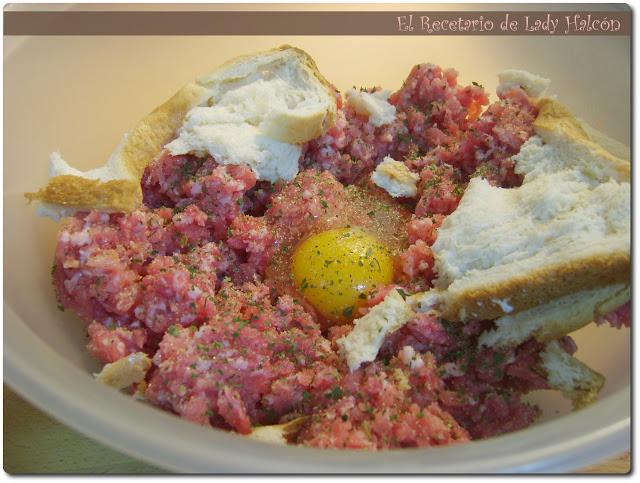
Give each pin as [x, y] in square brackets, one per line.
[80, 94]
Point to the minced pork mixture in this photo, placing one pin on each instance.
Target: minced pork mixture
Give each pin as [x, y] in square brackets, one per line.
[199, 279]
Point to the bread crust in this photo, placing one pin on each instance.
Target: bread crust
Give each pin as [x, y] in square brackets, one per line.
[120, 195]
[555, 121]
[572, 377]
[138, 149]
[553, 331]
[556, 318]
[487, 301]
[148, 138]
[158, 128]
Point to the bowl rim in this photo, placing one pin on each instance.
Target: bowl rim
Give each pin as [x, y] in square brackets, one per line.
[51, 382]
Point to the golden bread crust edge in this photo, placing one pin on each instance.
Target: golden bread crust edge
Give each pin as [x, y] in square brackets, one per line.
[139, 148]
[148, 138]
[557, 329]
[532, 289]
[585, 385]
[587, 394]
[73, 191]
[555, 119]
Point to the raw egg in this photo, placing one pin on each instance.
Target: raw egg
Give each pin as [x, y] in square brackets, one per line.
[334, 270]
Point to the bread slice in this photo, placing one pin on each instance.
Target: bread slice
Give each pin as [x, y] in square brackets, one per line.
[556, 318]
[573, 378]
[255, 109]
[565, 230]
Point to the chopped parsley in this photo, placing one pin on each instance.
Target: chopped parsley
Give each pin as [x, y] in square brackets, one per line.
[335, 393]
[498, 358]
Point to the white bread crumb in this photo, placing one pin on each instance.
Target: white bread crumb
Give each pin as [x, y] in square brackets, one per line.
[277, 433]
[426, 301]
[241, 143]
[395, 178]
[374, 105]
[533, 85]
[126, 371]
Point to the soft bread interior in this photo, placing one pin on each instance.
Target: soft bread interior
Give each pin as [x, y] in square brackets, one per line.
[259, 111]
[281, 91]
[364, 341]
[277, 433]
[254, 110]
[566, 229]
[533, 85]
[579, 145]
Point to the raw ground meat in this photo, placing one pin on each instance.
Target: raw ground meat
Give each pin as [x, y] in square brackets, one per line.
[352, 147]
[254, 363]
[618, 318]
[391, 405]
[199, 278]
[218, 190]
[483, 386]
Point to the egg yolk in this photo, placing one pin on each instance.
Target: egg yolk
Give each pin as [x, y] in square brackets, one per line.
[335, 270]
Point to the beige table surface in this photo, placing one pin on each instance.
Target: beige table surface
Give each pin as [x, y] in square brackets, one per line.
[36, 443]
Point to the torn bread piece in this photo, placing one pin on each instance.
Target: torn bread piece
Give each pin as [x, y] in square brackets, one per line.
[261, 108]
[573, 378]
[533, 85]
[579, 145]
[565, 230]
[364, 341]
[396, 178]
[277, 433]
[256, 110]
[374, 105]
[129, 370]
[564, 372]
[115, 187]
[428, 301]
[558, 317]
